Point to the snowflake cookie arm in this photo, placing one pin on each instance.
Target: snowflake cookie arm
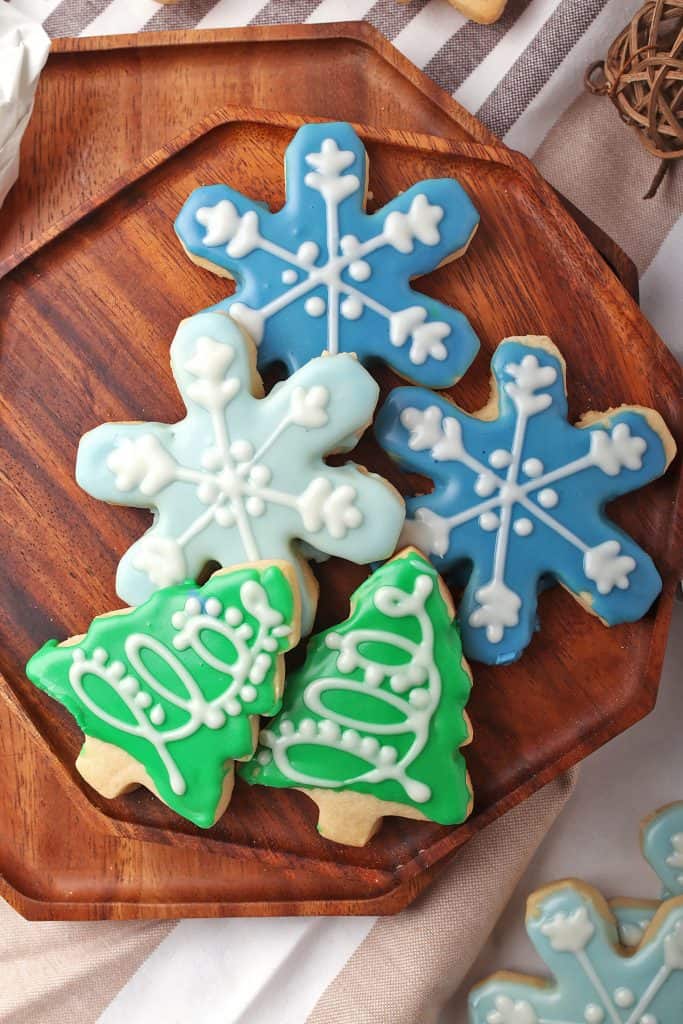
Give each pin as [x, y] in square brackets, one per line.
[662, 843]
[520, 494]
[322, 275]
[373, 721]
[167, 693]
[596, 983]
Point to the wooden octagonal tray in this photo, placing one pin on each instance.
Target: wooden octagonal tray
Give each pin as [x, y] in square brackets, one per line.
[86, 319]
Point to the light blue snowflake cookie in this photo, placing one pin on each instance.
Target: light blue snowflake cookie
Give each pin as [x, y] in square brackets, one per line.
[662, 842]
[322, 275]
[596, 981]
[519, 494]
[242, 478]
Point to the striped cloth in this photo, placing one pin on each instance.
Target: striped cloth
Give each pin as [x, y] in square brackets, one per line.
[523, 78]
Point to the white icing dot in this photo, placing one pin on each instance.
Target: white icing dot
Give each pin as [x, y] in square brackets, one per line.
[157, 715]
[260, 475]
[351, 308]
[78, 655]
[245, 632]
[211, 459]
[315, 306]
[241, 450]
[233, 616]
[213, 607]
[523, 527]
[350, 739]
[368, 746]
[255, 506]
[99, 655]
[359, 270]
[224, 516]
[387, 755]
[593, 1014]
[289, 276]
[214, 718]
[329, 731]
[270, 643]
[248, 693]
[207, 492]
[374, 674]
[489, 521]
[142, 699]
[648, 1018]
[286, 728]
[624, 998]
[128, 686]
[193, 606]
[419, 698]
[548, 497]
[307, 728]
[485, 484]
[532, 467]
[499, 458]
[178, 620]
[308, 252]
[233, 707]
[264, 757]
[116, 670]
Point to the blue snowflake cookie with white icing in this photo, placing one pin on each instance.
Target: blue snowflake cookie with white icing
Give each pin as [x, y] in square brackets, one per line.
[596, 981]
[242, 478]
[321, 275]
[519, 495]
[662, 842]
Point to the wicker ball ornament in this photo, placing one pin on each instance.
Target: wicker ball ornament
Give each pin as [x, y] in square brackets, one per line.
[643, 76]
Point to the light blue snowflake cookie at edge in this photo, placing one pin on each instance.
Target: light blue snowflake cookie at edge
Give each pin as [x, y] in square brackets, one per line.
[574, 933]
[520, 497]
[322, 275]
[662, 841]
[242, 478]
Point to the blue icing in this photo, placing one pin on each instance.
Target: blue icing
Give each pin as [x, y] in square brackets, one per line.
[632, 918]
[322, 275]
[520, 497]
[596, 983]
[242, 478]
[662, 840]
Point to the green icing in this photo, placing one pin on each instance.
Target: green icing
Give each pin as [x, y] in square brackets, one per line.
[378, 705]
[175, 681]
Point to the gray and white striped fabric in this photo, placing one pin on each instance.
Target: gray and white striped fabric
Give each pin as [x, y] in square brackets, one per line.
[523, 78]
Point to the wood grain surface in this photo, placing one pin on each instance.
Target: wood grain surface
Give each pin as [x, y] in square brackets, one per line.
[86, 322]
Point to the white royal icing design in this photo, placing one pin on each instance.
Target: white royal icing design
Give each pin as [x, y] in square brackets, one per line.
[418, 677]
[252, 661]
[241, 478]
[241, 234]
[498, 604]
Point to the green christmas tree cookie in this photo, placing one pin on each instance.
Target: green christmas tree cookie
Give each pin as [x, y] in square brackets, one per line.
[373, 722]
[168, 693]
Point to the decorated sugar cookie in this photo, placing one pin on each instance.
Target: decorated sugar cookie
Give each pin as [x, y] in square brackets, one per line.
[242, 478]
[373, 722]
[596, 981]
[632, 918]
[520, 493]
[321, 275]
[168, 694]
[662, 842]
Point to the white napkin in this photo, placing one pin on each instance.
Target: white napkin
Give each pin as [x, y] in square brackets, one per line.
[24, 47]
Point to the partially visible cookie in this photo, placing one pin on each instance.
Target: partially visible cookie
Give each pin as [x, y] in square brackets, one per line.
[168, 694]
[483, 11]
[597, 981]
[373, 722]
[662, 842]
